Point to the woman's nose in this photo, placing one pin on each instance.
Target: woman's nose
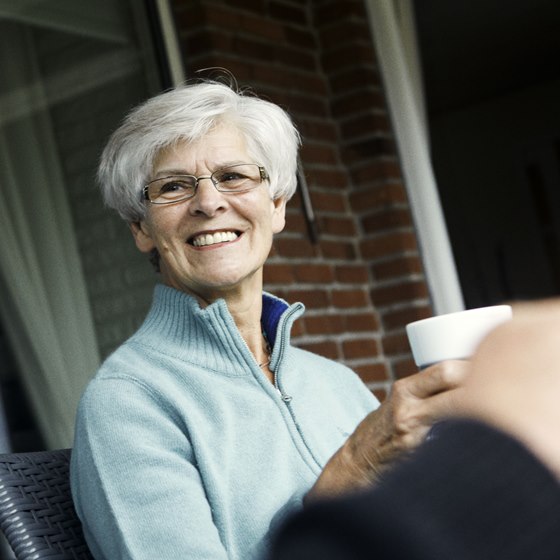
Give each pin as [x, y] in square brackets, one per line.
[208, 199]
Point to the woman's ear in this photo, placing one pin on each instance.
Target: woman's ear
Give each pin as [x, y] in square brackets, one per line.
[142, 237]
[279, 214]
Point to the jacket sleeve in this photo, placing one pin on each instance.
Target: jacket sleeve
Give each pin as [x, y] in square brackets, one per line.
[134, 478]
[471, 493]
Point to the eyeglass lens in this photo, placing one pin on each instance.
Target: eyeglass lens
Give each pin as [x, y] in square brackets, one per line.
[234, 179]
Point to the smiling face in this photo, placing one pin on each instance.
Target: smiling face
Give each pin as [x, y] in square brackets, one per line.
[213, 244]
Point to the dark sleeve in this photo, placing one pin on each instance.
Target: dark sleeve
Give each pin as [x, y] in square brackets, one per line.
[471, 493]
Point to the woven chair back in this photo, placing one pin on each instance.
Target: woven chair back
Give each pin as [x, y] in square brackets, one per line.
[37, 515]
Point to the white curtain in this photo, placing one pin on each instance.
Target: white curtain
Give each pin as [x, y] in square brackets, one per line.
[43, 300]
[393, 27]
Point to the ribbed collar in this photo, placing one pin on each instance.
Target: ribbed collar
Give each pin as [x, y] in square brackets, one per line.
[177, 326]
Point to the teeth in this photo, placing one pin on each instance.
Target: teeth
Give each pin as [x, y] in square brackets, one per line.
[213, 238]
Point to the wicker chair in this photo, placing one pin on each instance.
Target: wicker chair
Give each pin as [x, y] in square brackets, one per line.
[37, 515]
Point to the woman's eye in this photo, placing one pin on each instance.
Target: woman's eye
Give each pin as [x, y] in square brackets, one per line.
[173, 186]
[231, 177]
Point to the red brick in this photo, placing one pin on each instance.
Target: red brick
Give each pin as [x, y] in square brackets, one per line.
[344, 227]
[365, 124]
[355, 29]
[324, 324]
[401, 317]
[327, 348]
[361, 322]
[314, 273]
[298, 328]
[288, 12]
[388, 244]
[402, 265]
[313, 299]
[271, 77]
[313, 129]
[328, 202]
[319, 153]
[257, 6]
[360, 348]
[290, 247]
[297, 58]
[334, 59]
[349, 298]
[404, 368]
[278, 274]
[364, 149]
[399, 293]
[221, 16]
[380, 394]
[262, 27]
[294, 204]
[332, 178]
[310, 82]
[352, 102]
[351, 274]
[238, 67]
[203, 41]
[257, 50]
[379, 169]
[298, 105]
[377, 197]
[396, 343]
[338, 250]
[300, 37]
[332, 12]
[371, 373]
[295, 222]
[354, 77]
[187, 15]
[388, 218]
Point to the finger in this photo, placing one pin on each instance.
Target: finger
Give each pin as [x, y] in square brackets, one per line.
[438, 378]
[443, 405]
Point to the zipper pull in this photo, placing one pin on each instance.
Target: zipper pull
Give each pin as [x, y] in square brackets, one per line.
[285, 398]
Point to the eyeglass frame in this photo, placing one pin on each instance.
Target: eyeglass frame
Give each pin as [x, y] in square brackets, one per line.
[264, 176]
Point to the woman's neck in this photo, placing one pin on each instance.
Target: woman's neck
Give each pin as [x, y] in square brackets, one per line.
[247, 317]
[245, 307]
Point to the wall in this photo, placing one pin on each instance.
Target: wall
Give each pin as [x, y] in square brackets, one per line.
[363, 281]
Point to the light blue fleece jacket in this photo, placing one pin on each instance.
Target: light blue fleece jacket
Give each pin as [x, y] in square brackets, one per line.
[184, 450]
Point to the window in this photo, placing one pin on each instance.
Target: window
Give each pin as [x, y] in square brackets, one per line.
[73, 284]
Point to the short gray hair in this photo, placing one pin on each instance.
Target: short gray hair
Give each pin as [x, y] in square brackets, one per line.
[187, 113]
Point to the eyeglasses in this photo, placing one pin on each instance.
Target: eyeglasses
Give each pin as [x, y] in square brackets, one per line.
[238, 178]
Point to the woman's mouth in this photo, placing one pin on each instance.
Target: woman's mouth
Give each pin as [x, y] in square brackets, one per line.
[205, 239]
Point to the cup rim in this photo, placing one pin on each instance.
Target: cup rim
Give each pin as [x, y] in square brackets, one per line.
[473, 311]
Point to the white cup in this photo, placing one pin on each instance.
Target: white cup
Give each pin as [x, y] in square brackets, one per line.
[453, 336]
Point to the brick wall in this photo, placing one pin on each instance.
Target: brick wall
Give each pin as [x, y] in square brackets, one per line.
[363, 281]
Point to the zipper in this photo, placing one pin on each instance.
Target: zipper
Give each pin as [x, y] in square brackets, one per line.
[285, 398]
[308, 455]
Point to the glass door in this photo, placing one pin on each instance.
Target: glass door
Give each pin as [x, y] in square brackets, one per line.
[72, 285]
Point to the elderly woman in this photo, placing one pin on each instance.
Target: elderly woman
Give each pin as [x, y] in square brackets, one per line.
[204, 428]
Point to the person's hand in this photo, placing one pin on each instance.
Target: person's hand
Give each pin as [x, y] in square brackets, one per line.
[515, 380]
[398, 426]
